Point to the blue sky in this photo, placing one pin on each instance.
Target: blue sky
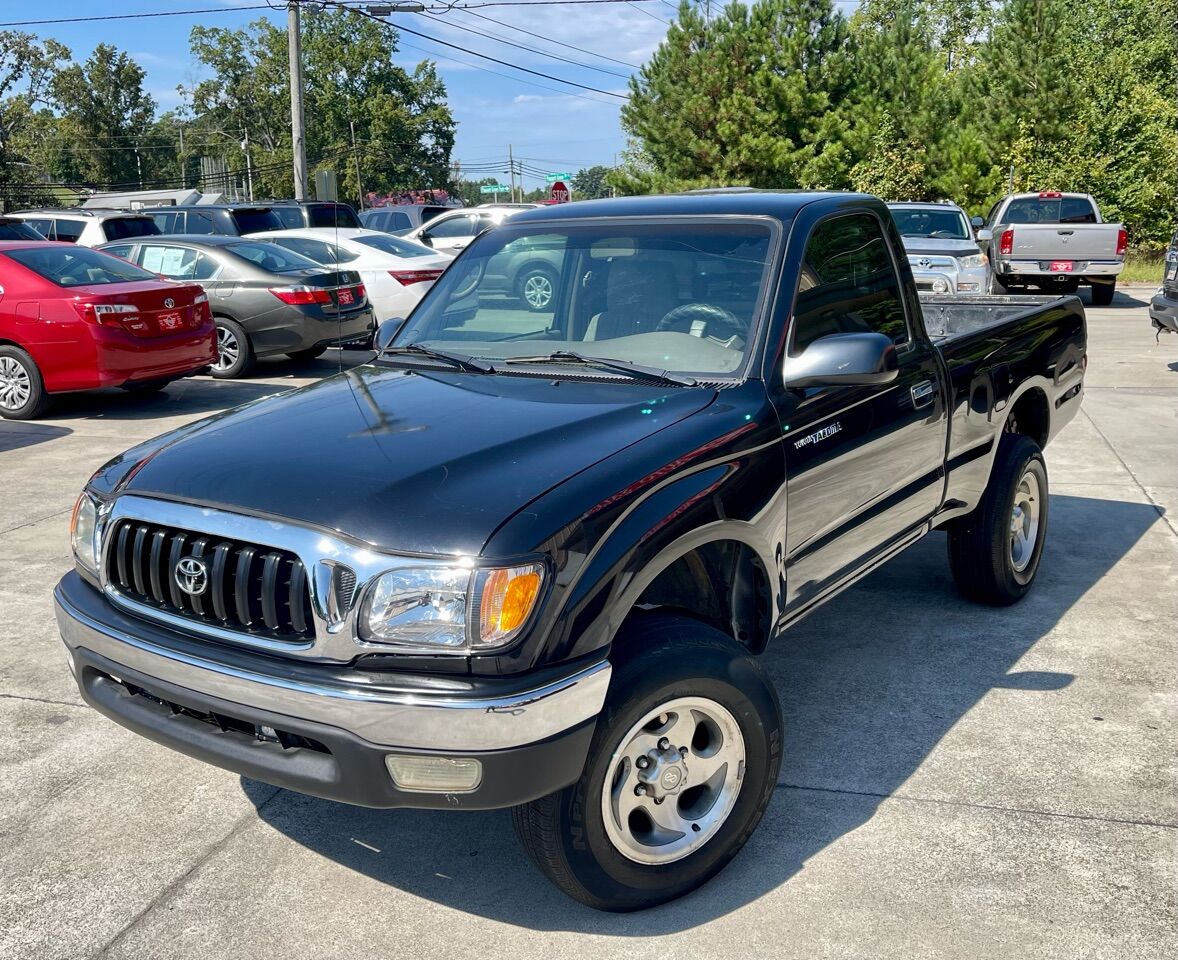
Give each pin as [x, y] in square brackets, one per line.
[553, 127]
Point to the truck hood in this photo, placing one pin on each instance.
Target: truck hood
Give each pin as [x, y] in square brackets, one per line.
[936, 247]
[408, 460]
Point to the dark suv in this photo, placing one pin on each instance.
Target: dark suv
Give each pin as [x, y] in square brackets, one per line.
[232, 220]
[1163, 308]
[297, 214]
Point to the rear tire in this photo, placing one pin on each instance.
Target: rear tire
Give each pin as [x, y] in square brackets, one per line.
[22, 391]
[235, 353]
[613, 848]
[309, 354]
[1102, 294]
[994, 551]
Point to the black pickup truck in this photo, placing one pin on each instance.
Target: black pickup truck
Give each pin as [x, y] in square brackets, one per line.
[529, 558]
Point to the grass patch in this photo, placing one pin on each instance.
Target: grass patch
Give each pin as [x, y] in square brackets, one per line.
[1142, 268]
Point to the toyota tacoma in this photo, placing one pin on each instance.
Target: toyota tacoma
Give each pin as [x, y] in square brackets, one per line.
[530, 558]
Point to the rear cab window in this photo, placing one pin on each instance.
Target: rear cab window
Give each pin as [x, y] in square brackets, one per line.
[1050, 210]
[77, 266]
[848, 283]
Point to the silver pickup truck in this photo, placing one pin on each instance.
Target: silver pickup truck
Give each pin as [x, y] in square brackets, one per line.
[1053, 241]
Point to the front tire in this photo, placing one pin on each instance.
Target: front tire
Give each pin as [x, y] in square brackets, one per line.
[22, 391]
[235, 353]
[994, 552]
[682, 766]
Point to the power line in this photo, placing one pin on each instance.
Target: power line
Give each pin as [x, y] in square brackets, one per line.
[521, 46]
[540, 36]
[483, 56]
[648, 13]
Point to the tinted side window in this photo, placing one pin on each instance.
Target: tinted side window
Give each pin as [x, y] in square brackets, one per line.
[121, 250]
[335, 215]
[121, 228]
[197, 222]
[848, 283]
[453, 227]
[169, 222]
[206, 267]
[68, 230]
[398, 221]
[291, 217]
[258, 221]
[43, 226]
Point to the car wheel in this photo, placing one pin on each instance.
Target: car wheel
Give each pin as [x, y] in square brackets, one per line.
[997, 287]
[235, 355]
[681, 768]
[994, 551]
[536, 287]
[1102, 293]
[22, 391]
[309, 354]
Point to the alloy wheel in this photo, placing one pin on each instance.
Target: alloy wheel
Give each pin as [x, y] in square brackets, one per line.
[1024, 522]
[228, 349]
[16, 385]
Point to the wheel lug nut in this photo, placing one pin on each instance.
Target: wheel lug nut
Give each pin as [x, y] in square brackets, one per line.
[640, 790]
[682, 751]
[659, 800]
[642, 763]
[664, 743]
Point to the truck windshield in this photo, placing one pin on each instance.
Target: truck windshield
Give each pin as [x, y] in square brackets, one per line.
[679, 297]
[1050, 210]
[940, 224]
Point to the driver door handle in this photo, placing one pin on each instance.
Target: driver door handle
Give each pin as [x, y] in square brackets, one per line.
[923, 393]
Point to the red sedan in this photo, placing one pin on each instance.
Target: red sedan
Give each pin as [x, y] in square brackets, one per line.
[72, 318]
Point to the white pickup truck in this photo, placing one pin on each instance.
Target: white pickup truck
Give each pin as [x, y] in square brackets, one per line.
[1053, 241]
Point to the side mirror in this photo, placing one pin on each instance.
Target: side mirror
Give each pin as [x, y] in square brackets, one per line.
[844, 360]
[426, 239]
[386, 333]
[976, 221]
[986, 235]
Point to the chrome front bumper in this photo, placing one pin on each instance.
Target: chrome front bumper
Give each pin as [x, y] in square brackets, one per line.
[442, 713]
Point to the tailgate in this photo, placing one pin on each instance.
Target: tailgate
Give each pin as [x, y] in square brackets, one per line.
[149, 309]
[1065, 241]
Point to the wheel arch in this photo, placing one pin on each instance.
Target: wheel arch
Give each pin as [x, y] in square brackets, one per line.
[1030, 415]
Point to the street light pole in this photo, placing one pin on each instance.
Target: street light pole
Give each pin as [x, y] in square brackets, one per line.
[297, 137]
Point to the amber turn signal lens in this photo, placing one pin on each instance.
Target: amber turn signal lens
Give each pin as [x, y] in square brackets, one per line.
[508, 596]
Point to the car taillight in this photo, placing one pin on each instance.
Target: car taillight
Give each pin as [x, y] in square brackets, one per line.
[201, 308]
[1006, 242]
[360, 291]
[122, 315]
[1122, 242]
[406, 277]
[301, 296]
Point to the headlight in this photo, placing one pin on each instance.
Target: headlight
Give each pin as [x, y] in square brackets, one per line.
[84, 533]
[973, 261]
[450, 609]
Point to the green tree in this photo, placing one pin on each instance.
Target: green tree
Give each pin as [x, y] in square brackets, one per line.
[403, 129]
[109, 115]
[591, 183]
[469, 191]
[739, 100]
[893, 167]
[27, 66]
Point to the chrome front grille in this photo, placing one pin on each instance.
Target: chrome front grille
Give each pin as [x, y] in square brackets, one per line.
[257, 590]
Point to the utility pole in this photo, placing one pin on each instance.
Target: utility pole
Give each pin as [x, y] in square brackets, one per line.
[356, 155]
[511, 164]
[139, 166]
[249, 165]
[297, 138]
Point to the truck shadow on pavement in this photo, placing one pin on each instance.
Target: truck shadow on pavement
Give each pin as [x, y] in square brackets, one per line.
[869, 686]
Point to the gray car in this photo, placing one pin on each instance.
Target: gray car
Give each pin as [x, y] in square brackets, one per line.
[941, 249]
[266, 300]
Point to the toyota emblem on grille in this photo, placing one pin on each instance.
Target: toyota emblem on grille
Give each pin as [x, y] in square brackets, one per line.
[924, 263]
[192, 576]
[169, 303]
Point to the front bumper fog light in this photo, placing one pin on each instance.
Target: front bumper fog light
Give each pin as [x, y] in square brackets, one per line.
[940, 286]
[425, 774]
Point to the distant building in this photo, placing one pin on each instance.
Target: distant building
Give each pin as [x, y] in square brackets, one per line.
[138, 199]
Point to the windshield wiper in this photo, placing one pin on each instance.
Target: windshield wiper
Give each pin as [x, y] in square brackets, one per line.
[617, 366]
[460, 360]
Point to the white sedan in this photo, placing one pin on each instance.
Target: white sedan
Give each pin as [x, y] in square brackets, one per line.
[396, 271]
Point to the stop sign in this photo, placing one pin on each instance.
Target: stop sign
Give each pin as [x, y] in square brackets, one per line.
[560, 192]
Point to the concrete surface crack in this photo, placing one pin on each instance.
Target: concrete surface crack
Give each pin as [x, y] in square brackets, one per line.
[1169, 521]
[55, 703]
[30, 523]
[998, 808]
[176, 884]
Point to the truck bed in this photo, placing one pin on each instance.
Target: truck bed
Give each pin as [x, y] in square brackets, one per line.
[950, 318]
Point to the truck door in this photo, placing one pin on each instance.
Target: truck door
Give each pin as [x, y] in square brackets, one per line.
[864, 464]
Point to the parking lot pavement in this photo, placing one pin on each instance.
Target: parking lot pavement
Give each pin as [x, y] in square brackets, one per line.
[957, 781]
